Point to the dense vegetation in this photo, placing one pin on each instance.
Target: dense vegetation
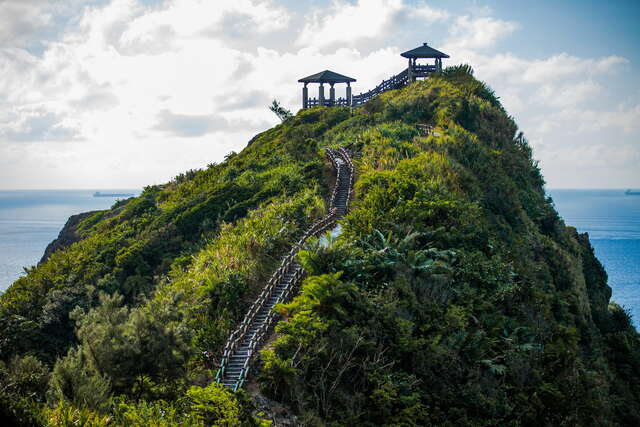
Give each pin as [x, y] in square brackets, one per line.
[454, 295]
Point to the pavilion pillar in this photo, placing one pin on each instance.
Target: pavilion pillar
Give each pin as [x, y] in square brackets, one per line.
[349, 98]
[411, 77]
[321, 94]
[332, 95]
[305, 96]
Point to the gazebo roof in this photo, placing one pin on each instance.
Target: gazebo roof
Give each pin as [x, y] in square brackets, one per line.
[424, 51]
[327, 76]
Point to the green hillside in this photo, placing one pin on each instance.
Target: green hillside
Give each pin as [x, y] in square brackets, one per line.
[454, 295]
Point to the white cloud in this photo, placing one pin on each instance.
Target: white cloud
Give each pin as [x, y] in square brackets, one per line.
[477, 33]
[346, 23]
[151, 91]
[36, 125]
[586, 121]
[21, 19]
[194, 125]
[201, 18]
[615, 161]
[623, 118]
[564, 65]
[567, 95]
[506, 67]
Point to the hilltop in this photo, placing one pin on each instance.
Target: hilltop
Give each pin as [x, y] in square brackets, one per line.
[454, 295]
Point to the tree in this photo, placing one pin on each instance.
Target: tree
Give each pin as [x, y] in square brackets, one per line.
[73, 380]
[122, 350]
[282, 113]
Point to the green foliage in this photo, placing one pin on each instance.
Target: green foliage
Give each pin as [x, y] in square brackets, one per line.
[462, 76]
[122, 351]
[73, 380]
[453, 295]
[159, 413]
[201, 406]
[214, 405]
[21, 383]
[282, 113]
[24, 376]
[65, 415]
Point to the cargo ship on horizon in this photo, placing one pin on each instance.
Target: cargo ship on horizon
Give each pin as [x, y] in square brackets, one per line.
[99, 194]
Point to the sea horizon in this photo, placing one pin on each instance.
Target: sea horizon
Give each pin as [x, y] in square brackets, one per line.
[30, 219]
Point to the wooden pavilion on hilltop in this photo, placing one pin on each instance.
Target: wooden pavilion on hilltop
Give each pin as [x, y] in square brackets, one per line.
[422, 52]
[331, 78]
[405, 77]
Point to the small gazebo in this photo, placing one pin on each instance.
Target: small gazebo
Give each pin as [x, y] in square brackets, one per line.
[331, 78]
[424, 51]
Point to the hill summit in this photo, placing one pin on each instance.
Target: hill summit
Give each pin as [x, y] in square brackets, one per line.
[452, 295]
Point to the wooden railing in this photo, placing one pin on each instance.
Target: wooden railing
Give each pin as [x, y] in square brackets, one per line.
[313, 102]
[424, 69]
[338, 159]
[396, 82]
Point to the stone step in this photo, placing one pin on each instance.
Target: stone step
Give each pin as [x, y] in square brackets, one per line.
[231, 370]
[238, 357]
[282, 289]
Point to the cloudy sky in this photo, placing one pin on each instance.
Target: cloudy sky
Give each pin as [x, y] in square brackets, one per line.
[126, 93]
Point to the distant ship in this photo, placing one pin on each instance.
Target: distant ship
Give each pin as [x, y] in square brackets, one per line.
[632, 193]
[99, 194]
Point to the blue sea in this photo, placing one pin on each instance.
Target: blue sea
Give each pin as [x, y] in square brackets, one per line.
[29, 220]
[612, 220]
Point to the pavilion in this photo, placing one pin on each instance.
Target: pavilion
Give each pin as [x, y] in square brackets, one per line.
[421, 52]
[331, 78]
[405, 77]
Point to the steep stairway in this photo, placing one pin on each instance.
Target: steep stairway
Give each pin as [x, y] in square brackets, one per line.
[244, 343]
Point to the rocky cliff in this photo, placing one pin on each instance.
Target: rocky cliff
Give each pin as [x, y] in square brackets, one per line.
[67, 236]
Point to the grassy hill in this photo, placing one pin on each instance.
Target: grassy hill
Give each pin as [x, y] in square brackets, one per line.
[455, 295]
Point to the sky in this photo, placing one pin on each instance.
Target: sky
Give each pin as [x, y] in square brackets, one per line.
[127, 93]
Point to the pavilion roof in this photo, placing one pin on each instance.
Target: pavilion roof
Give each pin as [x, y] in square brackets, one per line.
[327, 76]
[424, 51]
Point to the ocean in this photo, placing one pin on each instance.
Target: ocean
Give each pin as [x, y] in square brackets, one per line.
[29, 220]
[612, 220]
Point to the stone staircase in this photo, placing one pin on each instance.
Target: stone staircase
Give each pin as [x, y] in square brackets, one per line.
[244, 343]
